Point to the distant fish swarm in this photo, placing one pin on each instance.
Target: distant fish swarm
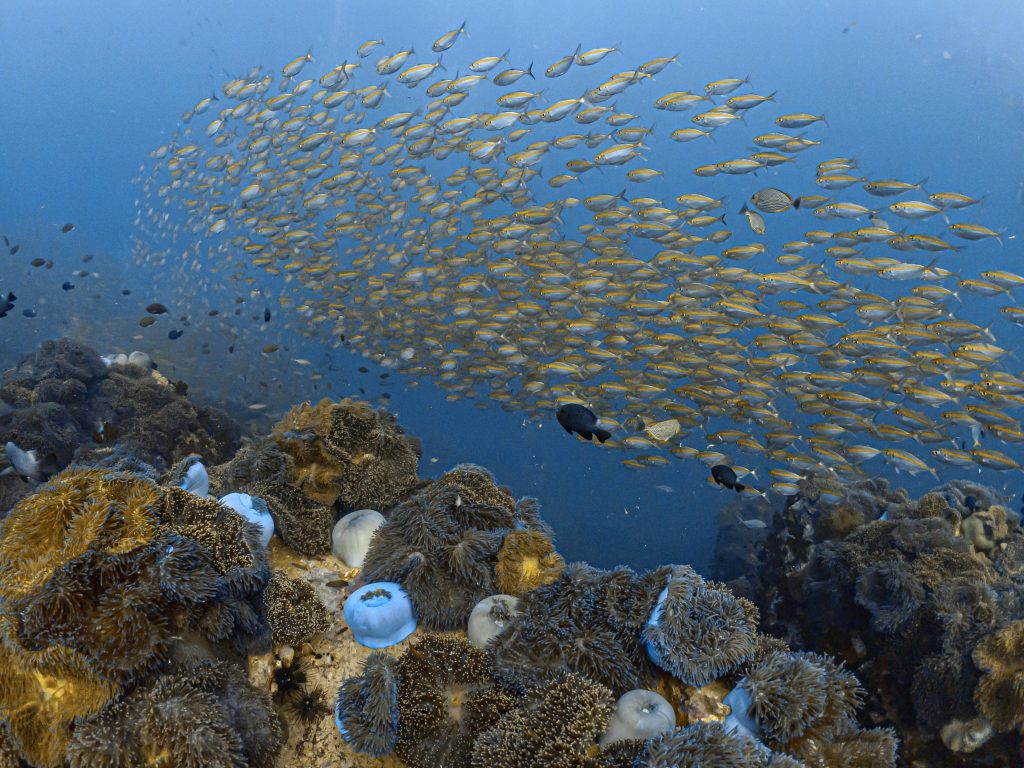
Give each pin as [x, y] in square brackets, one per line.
[438, 241]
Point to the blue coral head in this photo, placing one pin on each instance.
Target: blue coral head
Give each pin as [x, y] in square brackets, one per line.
[379, 614]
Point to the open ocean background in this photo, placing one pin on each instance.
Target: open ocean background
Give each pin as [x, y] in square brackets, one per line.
[911, 88]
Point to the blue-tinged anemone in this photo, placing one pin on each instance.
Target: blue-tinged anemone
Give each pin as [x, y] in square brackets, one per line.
[699, 631]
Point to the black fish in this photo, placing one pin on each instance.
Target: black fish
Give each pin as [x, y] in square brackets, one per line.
[266, 315]
[724, 475]
[87, 258]
[212, 313]
[15, 249]
[156, 309]
[971, 503]
[175, 334]
[231, 349]
[28, 312]
[126, 292]
[6, 305]
[384, 375]
[68, 285]
[579, 419]
[67, 228]
[37, 262]
[363, 369]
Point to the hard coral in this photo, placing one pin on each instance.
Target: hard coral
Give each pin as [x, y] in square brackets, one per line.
[366, 709]
[347, 452]
[556, 726]
[700, 631]
[206, 716]
[527, 560]
[294, 611]
[1000, 694]
[446, 698]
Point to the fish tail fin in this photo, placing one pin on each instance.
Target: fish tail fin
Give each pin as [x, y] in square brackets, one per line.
[439, 64]
[504, 56]
[824, 119]
[921, 183]
[529, 71]
[771, 96]
[602, 434]
[739, 487]
[462, 28]
[796, 203]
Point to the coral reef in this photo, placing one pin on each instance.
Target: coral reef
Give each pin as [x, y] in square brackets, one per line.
[64, 403]
[348, 452]
[103, 578]
[294, 611]
[915, 595]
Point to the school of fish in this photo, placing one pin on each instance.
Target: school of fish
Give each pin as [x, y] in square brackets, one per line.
[440, 242]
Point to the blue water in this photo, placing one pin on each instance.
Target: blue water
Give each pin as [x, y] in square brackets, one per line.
[912, 89]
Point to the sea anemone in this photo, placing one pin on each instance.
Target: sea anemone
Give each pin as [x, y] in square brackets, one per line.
[566, 626]
[639, 714]
[699, 631]
[294, 611]
[350, 538]
[489, 617]
[379, 614]
[705, 743]
[526, 560]
[303, 523]
[366, 708]
[254, 509]
[446, 698]
[206, 716]
[1000, 693]
[786, 695]
[556, 726]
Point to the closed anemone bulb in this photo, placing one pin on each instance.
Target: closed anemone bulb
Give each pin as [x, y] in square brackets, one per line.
[308, 705]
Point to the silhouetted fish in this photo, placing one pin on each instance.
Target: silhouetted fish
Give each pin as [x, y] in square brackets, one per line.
[725, 476]
[579, 419]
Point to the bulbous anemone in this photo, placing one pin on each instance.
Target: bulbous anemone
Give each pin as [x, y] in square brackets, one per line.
[700, 631]
[366, 709]
[446, 698]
